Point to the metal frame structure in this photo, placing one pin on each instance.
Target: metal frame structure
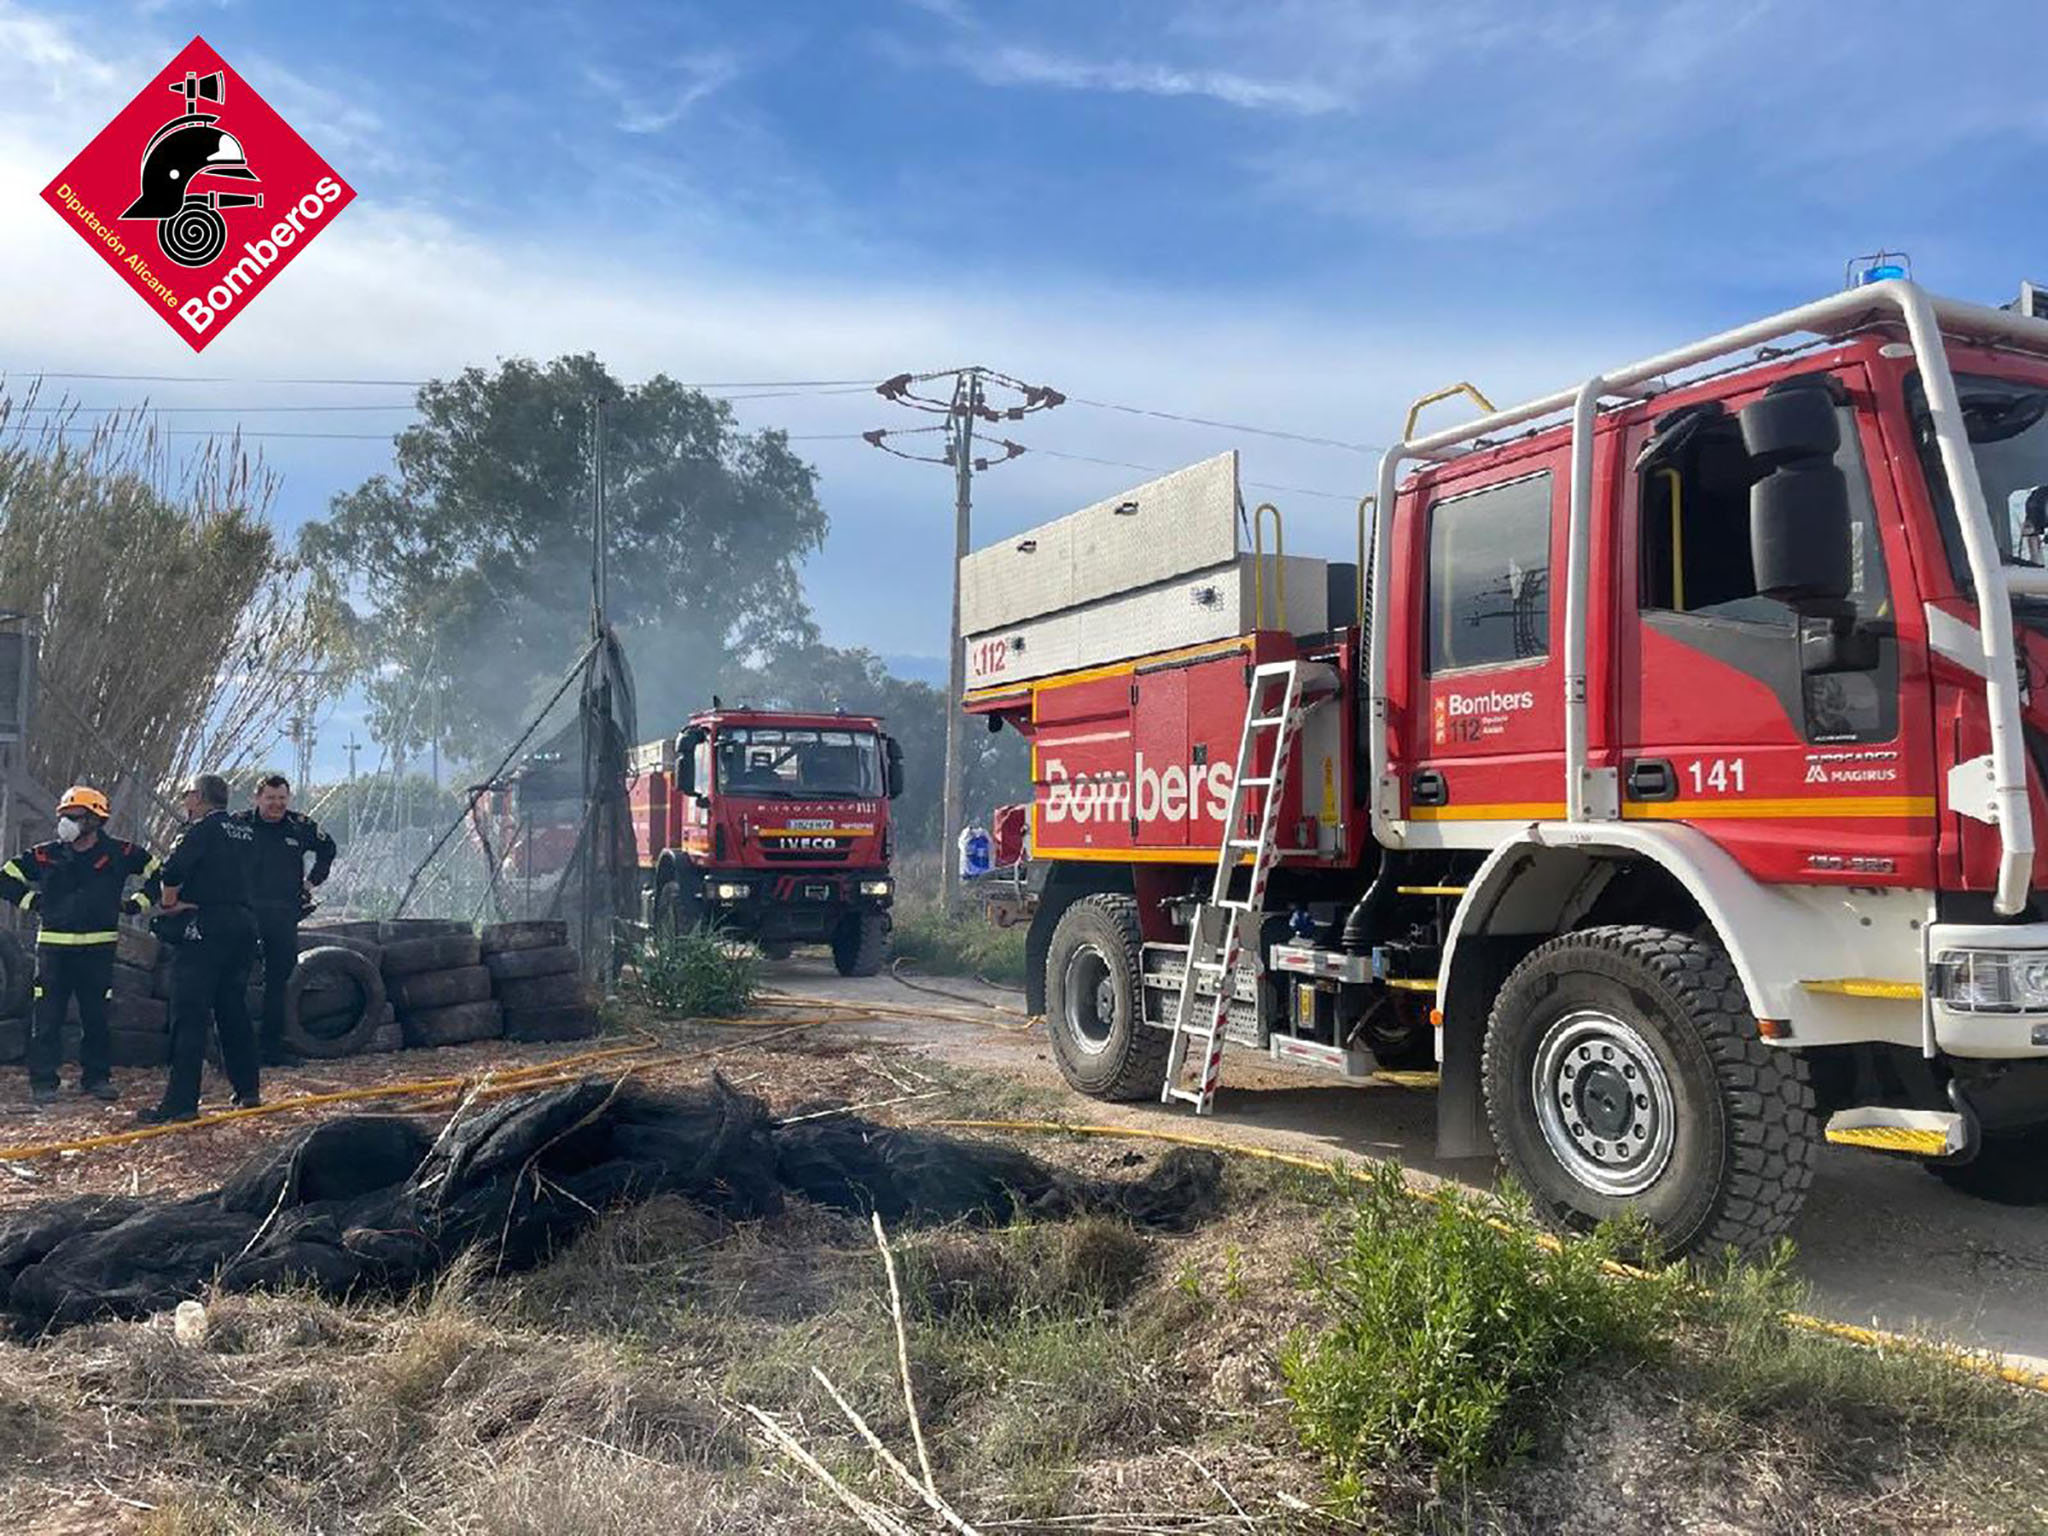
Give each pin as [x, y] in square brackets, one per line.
[1927, 321]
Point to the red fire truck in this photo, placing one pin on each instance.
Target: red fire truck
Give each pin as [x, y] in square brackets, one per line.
[773, 826]
[1671, 783]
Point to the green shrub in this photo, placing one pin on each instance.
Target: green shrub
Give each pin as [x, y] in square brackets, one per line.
[1449, 1327]
[697, 974]
[964, 943]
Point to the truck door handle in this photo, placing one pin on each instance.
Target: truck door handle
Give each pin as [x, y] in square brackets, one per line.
[1428, 787]
[1652, 778]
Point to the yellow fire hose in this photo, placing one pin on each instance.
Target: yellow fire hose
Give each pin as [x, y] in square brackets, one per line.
[1990, 1363]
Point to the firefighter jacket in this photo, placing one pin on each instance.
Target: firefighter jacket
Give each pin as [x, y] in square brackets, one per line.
[212, 864]
[77, 895]
[278, 870]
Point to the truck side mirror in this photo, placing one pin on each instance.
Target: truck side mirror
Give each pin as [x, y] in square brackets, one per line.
[1800, 539]
[892, 751]
[686, 762]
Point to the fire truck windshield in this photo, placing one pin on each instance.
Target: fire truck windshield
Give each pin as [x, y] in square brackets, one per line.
[2008, 424]
[797, 763]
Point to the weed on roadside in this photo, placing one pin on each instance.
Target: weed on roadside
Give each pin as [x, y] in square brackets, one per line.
[696, 974]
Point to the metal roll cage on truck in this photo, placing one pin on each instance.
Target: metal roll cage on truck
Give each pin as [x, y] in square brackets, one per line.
[1721, 846]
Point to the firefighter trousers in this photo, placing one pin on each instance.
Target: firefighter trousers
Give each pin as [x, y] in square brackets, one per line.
[209, 989]
[65, 971]
[277, 931]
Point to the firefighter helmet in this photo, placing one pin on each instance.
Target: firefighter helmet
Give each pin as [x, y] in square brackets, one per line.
[83, 797]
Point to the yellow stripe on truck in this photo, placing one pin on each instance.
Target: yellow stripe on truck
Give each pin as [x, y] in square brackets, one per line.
[1821, 807]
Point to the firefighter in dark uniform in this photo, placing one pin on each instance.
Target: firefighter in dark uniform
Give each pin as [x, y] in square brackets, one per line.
[74, 886]
[281, 887]
[206, 877]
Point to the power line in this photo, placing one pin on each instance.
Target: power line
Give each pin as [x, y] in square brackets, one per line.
[173, 378]
[1228, 426]
[1153, 469]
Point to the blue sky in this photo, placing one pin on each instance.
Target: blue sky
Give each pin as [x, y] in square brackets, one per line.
[1294, 213]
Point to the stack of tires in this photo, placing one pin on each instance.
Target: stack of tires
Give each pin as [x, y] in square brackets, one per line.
[336, 1005]
[536, 978]
[438, 985]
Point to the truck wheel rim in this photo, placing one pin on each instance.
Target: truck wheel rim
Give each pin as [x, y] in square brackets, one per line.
[1604, 1103]
[1090, 1000]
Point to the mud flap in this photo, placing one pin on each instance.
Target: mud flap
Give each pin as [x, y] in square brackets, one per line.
[1483, 963]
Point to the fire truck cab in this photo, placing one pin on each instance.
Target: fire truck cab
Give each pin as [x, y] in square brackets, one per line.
[1670, 783]
[774, 826]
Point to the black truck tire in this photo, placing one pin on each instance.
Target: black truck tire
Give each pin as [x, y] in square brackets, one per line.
[128, 981]
[520, 964]
[337, 1034]
[138, 1047]
[558, 990]
[137, 947]
[1094, 1005]
[677, 911]
[1624, 1071]
[510, 938]
[459, 1025]
[860, 944]
[17, 976]
[2010, 1168]
[140, 1015]
[395, 930]
[440, 989]
[327, 938]
[436, 952]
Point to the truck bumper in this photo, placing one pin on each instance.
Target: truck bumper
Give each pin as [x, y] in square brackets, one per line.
[1987, 989]
[794, 908]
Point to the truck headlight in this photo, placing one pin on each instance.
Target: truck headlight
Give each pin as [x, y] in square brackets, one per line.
[874, 887]
[1993, 980]
[732, 891]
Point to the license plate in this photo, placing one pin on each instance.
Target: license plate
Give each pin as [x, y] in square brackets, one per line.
[817, 893]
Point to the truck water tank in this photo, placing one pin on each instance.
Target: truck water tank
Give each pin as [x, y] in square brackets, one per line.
[974, 852]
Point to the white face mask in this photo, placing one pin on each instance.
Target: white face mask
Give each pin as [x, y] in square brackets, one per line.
[68, 830]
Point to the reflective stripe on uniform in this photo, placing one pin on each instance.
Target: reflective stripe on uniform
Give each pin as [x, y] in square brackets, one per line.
[152, 866]
[13, 867]
[73, 940]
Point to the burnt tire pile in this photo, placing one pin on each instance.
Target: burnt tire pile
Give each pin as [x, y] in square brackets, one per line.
[517, 981]
[537, 978]
[372, 1204]
[358, 987]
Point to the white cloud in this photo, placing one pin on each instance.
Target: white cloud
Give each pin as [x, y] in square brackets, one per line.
[654, 107]
[1019, 65]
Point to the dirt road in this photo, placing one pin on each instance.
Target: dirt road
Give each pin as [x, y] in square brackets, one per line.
[1879, 1239]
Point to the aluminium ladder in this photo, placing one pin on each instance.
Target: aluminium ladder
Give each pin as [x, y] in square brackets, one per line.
[1225, 927]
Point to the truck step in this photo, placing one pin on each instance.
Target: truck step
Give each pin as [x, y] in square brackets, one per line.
[1429, 890]
[1912, 1132]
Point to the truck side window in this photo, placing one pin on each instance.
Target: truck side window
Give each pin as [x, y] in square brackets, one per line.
[1695, 481]
[1489, 575]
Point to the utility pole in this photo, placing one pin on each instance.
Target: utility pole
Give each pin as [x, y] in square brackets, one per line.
[967, 401]
[960, 448]
[352, 747]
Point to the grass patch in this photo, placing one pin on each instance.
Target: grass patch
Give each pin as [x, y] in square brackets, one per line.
[696, 974]
[1448, 1331]
[962, 943]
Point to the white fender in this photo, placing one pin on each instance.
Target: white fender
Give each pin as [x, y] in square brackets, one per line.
[1777, 936]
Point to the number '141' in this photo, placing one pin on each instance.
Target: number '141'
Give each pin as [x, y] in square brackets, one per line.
[1720, 776]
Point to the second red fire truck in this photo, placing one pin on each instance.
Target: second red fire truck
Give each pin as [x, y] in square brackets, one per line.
[1671, 780]
[772, 825]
